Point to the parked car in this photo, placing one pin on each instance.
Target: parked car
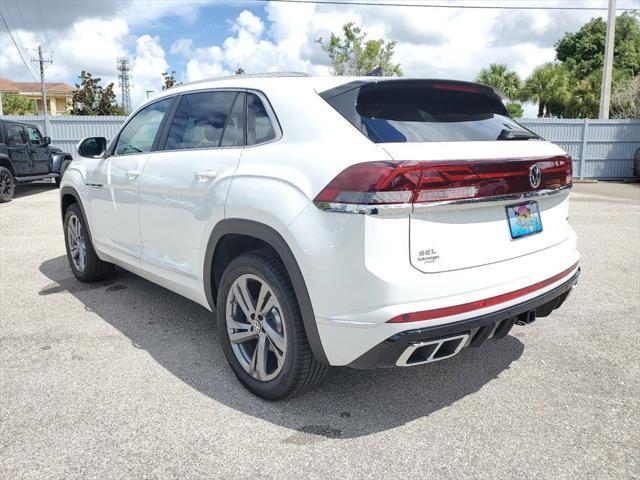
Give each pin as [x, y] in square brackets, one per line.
[360, 222]
[27, 156]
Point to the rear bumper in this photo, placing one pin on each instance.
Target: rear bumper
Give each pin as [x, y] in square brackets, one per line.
[477, 329]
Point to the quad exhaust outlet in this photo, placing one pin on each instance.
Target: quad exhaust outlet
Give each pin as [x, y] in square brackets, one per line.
[432, 350]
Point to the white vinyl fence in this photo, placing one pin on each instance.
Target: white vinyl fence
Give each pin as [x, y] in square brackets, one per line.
[67, 130]
[600, 148]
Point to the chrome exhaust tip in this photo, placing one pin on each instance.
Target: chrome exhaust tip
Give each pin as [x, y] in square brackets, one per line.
[432, 350]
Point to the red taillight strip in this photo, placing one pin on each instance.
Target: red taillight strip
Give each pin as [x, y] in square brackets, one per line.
[478, 304]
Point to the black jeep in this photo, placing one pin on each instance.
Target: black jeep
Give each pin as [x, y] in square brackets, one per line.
[26, 156]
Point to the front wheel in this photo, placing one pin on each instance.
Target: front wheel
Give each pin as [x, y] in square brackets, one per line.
[261, 328]
[83, 260]
[7, 185]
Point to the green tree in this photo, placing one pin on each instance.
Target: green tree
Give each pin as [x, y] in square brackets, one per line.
[239, 70]
[169, 79]
[85, 97]
[90, 98]
[107, 104]
[515, 109]
[507, 81]
[14, 104]
[625, 98]
[583, 51]
[548, 86]
[499, 76]
[353, 54]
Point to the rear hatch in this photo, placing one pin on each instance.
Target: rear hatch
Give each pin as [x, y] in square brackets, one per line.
[481, 188]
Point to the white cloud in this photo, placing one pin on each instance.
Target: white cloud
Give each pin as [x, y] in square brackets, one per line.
[148, 64]
[431, 42]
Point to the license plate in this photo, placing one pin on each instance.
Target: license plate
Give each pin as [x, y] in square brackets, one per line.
[524, 219]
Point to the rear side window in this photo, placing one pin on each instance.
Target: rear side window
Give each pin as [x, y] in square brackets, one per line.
[200, 120]
[233, 135]
[420, 111]
[259, 126]
[15, 134]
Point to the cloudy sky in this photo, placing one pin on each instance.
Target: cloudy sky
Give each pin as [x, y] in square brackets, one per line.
[202, 38]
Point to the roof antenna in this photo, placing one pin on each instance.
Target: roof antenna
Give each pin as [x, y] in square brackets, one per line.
[376, 72]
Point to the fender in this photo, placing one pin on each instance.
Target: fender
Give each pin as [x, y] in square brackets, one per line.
[5, 161]
[67, 190]
[275, 240]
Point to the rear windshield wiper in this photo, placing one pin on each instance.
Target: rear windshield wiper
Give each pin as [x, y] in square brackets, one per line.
[516, 135]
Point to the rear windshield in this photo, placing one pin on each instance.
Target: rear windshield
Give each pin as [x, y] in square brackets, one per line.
[418, 111]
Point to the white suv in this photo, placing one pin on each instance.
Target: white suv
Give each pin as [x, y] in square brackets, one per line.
[364, 222]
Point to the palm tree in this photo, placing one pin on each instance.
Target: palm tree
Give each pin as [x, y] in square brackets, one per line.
[499, 76]
[548, 85]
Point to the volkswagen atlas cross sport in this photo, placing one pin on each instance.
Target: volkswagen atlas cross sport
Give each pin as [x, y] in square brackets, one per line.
[361, 222]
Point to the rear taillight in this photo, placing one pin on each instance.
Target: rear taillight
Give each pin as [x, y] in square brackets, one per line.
[379, 183]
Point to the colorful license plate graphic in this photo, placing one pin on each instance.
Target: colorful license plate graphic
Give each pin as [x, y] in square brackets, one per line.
[524, 219]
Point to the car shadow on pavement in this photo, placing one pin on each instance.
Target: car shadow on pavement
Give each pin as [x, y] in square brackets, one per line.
[182, 337]
[29, 189]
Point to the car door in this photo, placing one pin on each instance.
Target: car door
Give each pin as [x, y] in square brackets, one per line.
[184, 186]
[38, 151]
[114, 184]
[18, 150]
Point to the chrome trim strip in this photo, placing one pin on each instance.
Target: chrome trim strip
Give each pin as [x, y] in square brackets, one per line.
[498, 198]
[402, 360]
[391, 209]
[402, 208]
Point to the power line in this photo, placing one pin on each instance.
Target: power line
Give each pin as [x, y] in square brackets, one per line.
[46, 31]
[18, 48]
[19, 44]
[432, 5]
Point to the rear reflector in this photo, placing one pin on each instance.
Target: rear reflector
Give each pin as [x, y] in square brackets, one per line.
[478, 304]
[379, 183]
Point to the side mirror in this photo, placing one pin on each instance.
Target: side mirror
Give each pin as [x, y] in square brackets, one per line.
[47, 140]
[92, 147]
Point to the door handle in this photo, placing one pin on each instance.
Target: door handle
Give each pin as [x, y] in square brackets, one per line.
[204, 175]
[131, 174]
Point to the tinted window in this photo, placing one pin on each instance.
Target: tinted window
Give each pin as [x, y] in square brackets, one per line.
[233, 135]
[410, 111]
[140, 132]
[15, 134]
[34, 136]
[200, 120]
[259, 127]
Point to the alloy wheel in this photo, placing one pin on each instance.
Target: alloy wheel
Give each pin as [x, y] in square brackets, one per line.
[255, 327]
[6, 185]
[77, 243]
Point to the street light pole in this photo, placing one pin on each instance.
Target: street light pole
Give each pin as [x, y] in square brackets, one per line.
[607, 69]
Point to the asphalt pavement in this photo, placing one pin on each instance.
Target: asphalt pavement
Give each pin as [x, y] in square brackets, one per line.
[124, 379]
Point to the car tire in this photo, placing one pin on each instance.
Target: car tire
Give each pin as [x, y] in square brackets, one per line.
[7, 185]
[288, 366]
[63, 167]
[83, 260]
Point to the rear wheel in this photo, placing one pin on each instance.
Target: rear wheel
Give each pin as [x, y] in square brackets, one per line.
[7, 185]
[84, 261]
[261, 329]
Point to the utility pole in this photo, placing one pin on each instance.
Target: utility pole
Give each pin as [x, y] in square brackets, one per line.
[43, 90]
[607, 69]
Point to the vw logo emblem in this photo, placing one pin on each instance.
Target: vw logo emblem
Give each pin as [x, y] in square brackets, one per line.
[535, 175]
